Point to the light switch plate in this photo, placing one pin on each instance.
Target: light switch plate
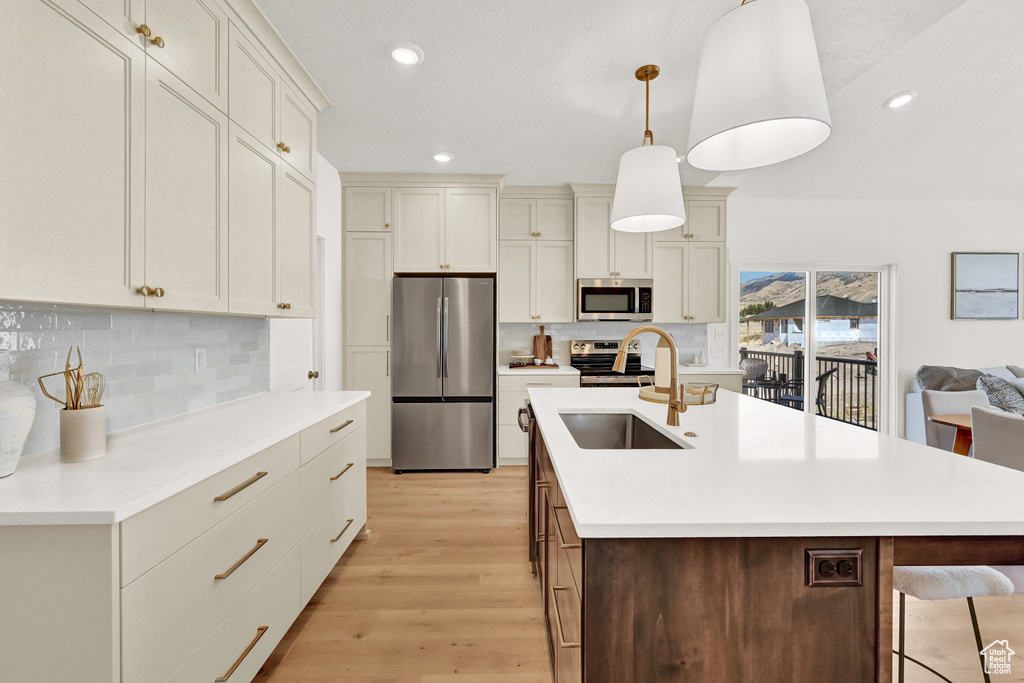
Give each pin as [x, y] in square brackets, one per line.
[831, 567]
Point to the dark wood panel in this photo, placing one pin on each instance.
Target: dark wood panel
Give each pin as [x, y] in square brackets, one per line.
[957, 550]
[568, 660]
[725, 611]
[883, 618]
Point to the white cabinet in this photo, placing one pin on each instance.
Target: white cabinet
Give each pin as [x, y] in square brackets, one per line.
[602, 252]
[689, 282]
[513, 391]
[705, 222]
[544, 218]
[445, 230]
[367, 209]
[186, 197]
[297, 137]
[535, 281]
[73, 227]
[367, 288]
[295, 245]
[368, 368]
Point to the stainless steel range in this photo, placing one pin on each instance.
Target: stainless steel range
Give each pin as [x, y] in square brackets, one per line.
[594, 359]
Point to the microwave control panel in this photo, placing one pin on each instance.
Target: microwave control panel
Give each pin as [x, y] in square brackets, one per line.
[645, 300]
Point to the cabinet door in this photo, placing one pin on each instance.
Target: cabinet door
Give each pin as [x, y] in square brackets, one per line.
[295, 244]
[516, 294]
[419, 230]
[298, 133]
[705, 219]
[471, 230]
[670, 271]
[195, 39]
[706, 283]
[367, 368]
[123, 15]
[186, 202]
[593, 241]
[517, 218]
[367, 288]
[253, 90]
[675, 234]
[367, 209]
[556, 285]
[634, 254]
[555, 219]
[72, 185]
[252, 215]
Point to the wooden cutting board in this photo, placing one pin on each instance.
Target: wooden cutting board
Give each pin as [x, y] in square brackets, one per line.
[542, 345]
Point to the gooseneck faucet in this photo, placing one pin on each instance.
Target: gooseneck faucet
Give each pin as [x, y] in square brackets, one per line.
[675, 406]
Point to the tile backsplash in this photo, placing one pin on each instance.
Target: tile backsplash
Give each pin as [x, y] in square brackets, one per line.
[690, 338]
[148, 360]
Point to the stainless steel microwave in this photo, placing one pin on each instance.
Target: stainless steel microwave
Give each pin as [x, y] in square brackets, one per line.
[615, 299]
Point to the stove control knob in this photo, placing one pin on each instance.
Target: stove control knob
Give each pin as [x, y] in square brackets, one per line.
[583, 346]
[576, 346]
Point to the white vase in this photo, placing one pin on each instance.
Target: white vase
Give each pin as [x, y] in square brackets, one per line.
[17, 412]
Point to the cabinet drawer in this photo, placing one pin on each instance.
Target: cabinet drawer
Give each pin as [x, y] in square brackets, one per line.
[168, 612]
[567, 630]
[158, 532]
[326, 433]
[512, 443]
[261, 620]
[324, 545]
[326, 479]
[571, 549]
[524, 382]
[509, 403]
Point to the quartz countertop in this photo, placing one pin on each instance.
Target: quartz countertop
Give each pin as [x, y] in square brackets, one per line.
[538, 370]
[707, 370]
[757, 469]
[150, 463]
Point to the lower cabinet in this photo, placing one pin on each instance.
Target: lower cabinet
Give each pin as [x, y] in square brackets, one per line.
[198, 587]
[368, 368]
[513, 391]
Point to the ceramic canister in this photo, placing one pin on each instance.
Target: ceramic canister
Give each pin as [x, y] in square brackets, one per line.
[17, 412]
[83, 434]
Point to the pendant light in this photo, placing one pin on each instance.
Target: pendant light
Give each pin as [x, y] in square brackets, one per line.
[759, 99]
[648, 192]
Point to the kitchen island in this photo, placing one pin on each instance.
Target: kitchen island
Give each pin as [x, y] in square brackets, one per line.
[693, 564]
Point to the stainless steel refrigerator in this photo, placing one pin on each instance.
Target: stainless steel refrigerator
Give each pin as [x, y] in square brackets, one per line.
[442, 379]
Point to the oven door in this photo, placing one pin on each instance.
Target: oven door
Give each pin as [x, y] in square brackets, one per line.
[607, 299]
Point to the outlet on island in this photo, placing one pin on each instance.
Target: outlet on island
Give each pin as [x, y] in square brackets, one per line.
[834, 567]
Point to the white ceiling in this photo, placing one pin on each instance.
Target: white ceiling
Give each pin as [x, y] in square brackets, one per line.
[544, 91]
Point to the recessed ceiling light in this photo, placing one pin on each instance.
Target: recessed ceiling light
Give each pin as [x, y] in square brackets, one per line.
[900, 99]
[406, 53]
[443, 157]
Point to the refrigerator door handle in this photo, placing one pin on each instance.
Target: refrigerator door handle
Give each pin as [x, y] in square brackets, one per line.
[446, 336]
[438, 336]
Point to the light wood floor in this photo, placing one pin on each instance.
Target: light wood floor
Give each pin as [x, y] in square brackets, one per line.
[442, 593]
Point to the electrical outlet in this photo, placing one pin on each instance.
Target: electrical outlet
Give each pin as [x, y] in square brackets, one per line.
[200, 360]
[834, 567]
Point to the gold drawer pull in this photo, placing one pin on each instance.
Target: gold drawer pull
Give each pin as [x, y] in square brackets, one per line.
[338, 475]
[259, 634]
[248, 482]
[558, 618]
[558, 528]
[260, 542]
[543, 484]
[335, 539]
[341, 426]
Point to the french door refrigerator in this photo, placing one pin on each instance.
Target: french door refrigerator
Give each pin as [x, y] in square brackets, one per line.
[442, 379]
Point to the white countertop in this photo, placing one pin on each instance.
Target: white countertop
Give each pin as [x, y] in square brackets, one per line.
[147, 464]
[538, 370]
[708, 370]
[762, 470]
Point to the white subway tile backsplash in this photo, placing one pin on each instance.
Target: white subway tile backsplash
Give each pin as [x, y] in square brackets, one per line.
[147, 358]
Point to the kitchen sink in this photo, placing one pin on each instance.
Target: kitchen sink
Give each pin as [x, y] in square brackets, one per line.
[617, 431]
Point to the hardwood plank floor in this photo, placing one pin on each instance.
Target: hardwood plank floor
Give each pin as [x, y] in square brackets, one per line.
[442, 593]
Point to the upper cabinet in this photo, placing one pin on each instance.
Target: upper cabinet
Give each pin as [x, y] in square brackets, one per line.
[445, 230]
[542, 218]
[602, 252]
[126, 158]
[366, 209]
[705, 222]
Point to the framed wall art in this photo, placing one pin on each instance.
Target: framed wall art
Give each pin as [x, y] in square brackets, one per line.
[985, 286]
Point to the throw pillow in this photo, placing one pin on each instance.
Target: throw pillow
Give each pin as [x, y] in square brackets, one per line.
[1018, 371]
[943, 378]
[1002, 394]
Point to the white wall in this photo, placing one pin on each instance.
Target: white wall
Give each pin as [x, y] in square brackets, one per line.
[328, 226]
[918, 237]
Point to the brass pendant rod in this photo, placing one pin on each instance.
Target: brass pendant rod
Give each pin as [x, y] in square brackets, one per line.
[647, 118]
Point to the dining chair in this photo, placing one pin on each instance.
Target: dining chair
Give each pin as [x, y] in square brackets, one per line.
[947, 403]
[753, 369]
[796, 400]
[998, 437]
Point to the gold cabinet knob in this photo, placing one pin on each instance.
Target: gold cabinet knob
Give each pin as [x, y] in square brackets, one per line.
[447, 266]
[144, 30]
[284, 148]
[283, 306]
[387, 225]
[158, 41]
[313, 374]
[158, 292]
[144, 291]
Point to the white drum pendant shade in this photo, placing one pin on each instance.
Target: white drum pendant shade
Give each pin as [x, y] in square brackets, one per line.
[648, 192]
[759, 99]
